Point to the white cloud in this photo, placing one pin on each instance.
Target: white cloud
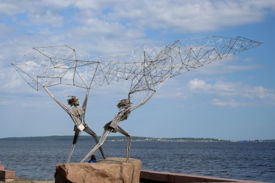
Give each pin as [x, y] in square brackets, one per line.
[60, 4]
[112, 27]
[187, 16]
[4, 31]
[117, 26]
[223, 103]
[191, 16]
[196, 84]
[232, 90]
[228, 65]
[13, 7]
[10, 81]
[42, 16]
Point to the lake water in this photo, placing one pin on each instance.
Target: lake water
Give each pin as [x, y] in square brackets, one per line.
[36, 158]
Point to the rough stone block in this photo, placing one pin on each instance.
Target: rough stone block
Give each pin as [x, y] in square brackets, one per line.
[110, 170]
[7, 174]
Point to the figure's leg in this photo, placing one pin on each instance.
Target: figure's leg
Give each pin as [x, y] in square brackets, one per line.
[120, 130]
[93, 134]
[98, 145]
[76, 133]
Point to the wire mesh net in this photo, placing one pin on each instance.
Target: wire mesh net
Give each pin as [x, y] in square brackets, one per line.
[59, 65]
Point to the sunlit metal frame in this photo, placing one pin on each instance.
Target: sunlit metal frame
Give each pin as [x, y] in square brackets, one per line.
[58, 65]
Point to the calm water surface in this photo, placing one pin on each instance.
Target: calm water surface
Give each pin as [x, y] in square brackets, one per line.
[250, 160]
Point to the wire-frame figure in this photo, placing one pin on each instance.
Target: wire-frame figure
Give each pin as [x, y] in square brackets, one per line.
[47, 70]
[77, 114]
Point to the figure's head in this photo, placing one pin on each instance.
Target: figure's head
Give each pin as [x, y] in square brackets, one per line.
[73, 101]
[124, 104]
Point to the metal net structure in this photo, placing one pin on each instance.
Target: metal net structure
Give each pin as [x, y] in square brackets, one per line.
[182, 56]
[59, 65]
[145, 72]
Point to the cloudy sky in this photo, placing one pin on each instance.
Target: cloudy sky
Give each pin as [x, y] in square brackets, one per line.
[234, 99]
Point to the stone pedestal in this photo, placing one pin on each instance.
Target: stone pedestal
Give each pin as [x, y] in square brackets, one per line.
[110, 170]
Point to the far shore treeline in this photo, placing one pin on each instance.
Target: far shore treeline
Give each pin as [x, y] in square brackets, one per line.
[122, 138]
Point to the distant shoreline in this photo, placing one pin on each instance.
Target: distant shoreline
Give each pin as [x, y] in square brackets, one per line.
[134, 139]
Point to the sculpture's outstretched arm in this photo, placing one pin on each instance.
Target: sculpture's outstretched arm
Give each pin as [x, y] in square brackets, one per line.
[53, 97]
[84, 105]
[144, 102]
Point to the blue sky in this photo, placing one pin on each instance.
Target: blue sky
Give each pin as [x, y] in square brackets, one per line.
[234, 99]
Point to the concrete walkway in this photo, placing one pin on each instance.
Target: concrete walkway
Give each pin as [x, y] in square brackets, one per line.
[20, 180]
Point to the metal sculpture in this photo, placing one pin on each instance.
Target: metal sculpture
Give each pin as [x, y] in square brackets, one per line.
[173, 60]
[146, 76]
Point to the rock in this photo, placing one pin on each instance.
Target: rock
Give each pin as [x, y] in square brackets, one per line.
[110, 170]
